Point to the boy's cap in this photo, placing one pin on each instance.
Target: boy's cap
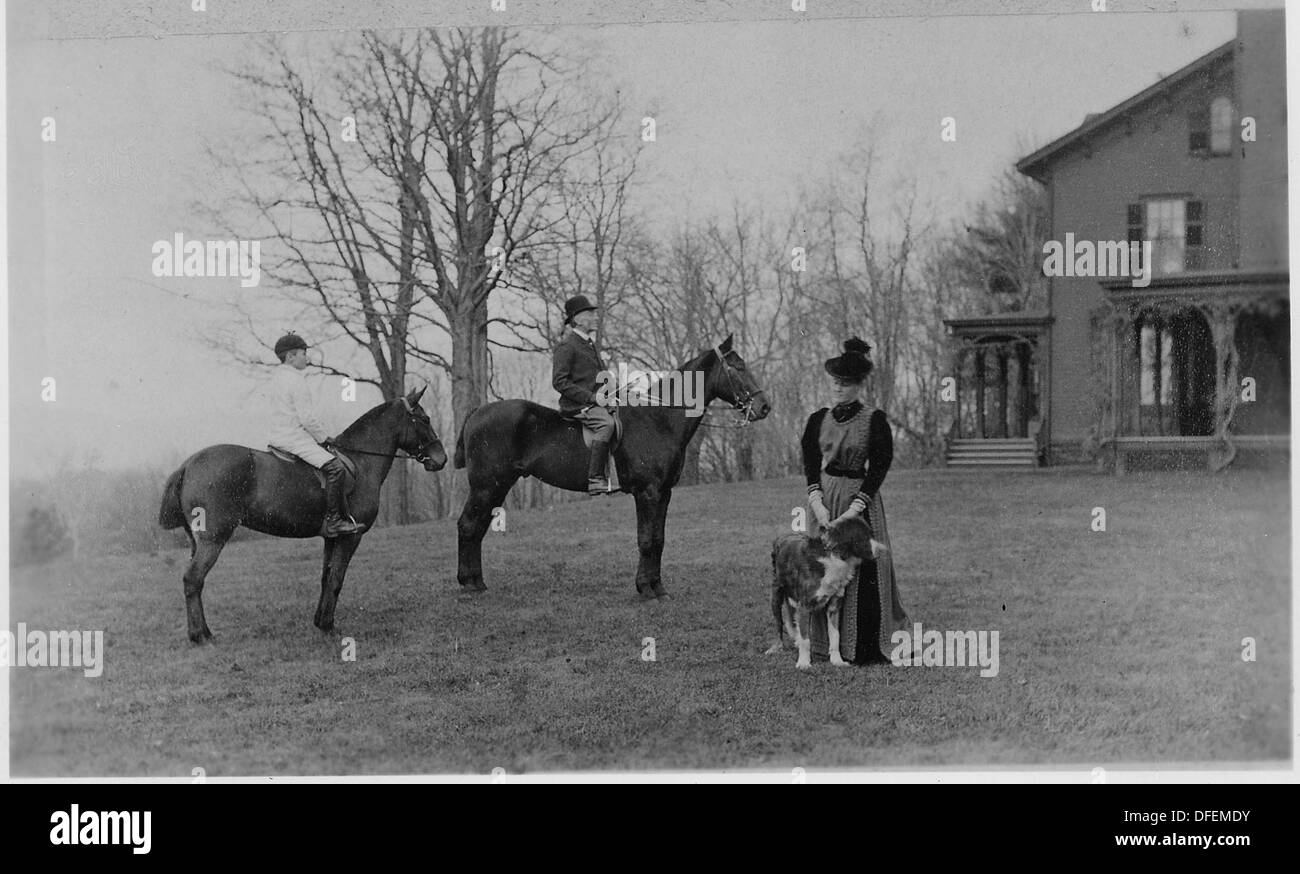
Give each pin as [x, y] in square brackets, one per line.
[287, 342]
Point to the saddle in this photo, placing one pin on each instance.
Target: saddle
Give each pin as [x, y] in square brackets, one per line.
[574, 422]
[349, 467]
[611, 469]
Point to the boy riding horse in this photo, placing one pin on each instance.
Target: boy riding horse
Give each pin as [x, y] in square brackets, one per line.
[575, 365]
[297, 430]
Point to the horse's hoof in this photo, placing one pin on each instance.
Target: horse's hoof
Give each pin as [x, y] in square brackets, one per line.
[473, 588]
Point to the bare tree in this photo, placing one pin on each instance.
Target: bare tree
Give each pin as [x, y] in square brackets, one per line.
[587, 241]
[503, 123]
[941, 293]
[748, 267]
[1001, 249]
[397, 184]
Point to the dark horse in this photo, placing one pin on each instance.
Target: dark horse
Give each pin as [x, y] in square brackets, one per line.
[235, 485]
[503, 441]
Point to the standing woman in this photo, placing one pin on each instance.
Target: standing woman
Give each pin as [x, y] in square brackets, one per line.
[847, 450]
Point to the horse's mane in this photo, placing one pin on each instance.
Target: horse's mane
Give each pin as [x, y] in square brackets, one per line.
[365, 420]
[697, 363]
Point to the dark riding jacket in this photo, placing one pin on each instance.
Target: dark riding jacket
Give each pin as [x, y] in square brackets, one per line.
[575, 366]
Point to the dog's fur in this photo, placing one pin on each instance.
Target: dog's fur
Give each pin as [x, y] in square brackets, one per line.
[809, 575]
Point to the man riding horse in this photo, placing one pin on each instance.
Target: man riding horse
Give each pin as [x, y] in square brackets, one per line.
[575, 366]
[297, 430]
[502, 441]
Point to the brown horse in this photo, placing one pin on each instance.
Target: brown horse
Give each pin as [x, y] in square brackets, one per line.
[222, 487]
[503, 441]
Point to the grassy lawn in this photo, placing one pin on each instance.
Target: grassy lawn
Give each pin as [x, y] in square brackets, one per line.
[1116, 647]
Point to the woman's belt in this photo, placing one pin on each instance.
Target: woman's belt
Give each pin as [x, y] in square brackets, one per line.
[835, 470]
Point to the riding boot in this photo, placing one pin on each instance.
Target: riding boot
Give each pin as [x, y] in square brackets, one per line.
[597, 482]
[335, 524]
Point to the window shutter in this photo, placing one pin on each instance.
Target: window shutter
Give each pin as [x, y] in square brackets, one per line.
[1198, 136]
[1194, 216]
[1136, 222]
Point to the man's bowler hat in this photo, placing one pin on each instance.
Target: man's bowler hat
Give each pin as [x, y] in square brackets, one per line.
[575, 305]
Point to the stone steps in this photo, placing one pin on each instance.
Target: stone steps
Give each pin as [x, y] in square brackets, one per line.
[993, 452]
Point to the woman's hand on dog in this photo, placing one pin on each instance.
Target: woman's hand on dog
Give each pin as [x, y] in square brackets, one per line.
[847, 514]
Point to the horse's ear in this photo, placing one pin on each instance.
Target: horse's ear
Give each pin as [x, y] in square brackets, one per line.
[725, 346]
[414, 396]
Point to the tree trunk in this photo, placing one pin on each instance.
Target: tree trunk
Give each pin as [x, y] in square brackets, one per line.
[691, 466]
[745, 456]
[469, 376]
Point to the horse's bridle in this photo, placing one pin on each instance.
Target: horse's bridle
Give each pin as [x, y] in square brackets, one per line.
[744, 400]
[421, 455]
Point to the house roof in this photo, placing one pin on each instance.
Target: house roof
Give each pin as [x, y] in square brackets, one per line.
[1217, 282]
[1036, 165]
[999, 324]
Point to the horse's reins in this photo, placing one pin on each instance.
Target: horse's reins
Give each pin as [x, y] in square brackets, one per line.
[421, 456]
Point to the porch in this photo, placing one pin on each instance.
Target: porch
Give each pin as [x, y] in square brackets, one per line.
[998, 363]
[1199, 363]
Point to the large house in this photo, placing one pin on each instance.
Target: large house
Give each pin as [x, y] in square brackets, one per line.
[1192, 357]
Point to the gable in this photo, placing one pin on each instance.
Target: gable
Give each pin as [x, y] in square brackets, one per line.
[1178, 99]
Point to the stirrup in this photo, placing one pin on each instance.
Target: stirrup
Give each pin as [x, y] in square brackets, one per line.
[337, 526]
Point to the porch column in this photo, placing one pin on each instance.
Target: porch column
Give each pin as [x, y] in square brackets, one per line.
[1125, 338]
[1003, 378]
[1158, 371]
[1223, 329]
[1023, 359]
[1115, 368]
[979, 391]
[958, 370]
[1132, 376]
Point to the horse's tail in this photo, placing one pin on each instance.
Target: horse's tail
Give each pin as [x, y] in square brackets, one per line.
[458, 459]
[170, 514]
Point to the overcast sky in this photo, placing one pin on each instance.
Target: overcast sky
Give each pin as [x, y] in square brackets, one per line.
[744, 109]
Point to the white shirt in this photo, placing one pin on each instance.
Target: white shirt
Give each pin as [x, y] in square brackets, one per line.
[293, 410]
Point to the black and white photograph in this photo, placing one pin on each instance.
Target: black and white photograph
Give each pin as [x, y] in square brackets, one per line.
[780, 391]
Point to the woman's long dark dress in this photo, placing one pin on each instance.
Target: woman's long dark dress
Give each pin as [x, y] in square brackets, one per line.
[848, 458]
